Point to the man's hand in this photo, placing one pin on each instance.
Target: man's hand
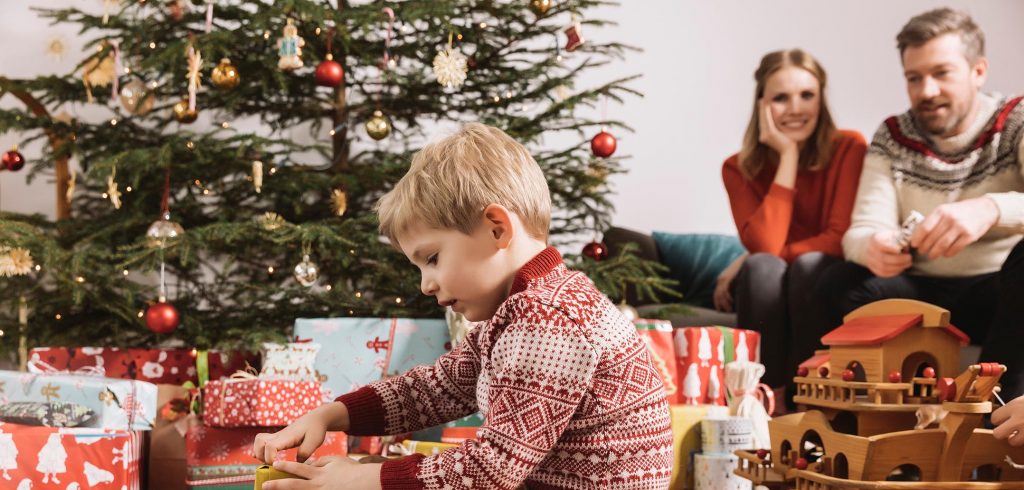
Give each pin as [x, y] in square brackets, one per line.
[884, 256]
[332, 472]
[1009, 422]
[950, 228]
[723, 288]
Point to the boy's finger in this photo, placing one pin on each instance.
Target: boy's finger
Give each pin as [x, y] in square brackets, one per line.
[1000, 415]
[300, 470]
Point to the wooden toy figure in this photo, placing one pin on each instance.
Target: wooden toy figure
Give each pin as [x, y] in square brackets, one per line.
[289, 48]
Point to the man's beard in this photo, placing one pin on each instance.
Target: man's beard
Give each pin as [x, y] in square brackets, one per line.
[941, 126]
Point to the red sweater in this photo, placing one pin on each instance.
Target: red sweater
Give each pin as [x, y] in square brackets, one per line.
[812, 217]
[570, 397]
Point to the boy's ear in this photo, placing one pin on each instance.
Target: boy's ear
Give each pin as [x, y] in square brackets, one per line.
[498, 221]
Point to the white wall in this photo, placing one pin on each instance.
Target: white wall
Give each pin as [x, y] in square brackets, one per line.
[698, 63]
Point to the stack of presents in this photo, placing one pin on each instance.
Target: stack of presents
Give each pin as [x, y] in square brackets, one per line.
[108, 418]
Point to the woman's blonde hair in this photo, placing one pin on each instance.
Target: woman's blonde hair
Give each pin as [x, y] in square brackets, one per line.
[817, 151]
[451, 181]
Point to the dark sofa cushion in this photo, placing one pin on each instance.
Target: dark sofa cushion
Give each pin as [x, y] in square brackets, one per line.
[695, 260]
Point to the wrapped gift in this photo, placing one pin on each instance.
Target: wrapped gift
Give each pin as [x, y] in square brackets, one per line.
[166, 450]
[657, 334]
[686, 439]
[220, 458]
[258, 402]
[44, 458]
[161, 366]
[426, 448]
[363, 350]
[715, 472]
[702, 353]
[117, 404]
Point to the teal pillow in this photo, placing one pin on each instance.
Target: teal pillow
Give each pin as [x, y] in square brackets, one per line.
[695, 260]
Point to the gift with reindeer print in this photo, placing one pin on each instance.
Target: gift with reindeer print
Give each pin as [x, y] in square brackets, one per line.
[116, 404]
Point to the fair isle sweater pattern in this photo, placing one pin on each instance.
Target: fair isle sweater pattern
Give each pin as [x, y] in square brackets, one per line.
[916, 162]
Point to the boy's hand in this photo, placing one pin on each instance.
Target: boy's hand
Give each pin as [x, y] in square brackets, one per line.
[307, 433]
[1009, 420]
[331, 472]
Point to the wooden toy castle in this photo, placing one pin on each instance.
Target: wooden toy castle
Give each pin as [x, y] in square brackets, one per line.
[884, 412]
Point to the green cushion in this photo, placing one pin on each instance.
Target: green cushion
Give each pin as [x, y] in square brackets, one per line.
[695, 260]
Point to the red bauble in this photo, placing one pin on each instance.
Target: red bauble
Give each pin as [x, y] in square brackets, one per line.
[800, 464]
[762, 453]
[603, 145]
[802, 371]
[595, 250]
[162, 318]
[895, 377]
[12, 160]
[329, 73]
[929, 372]
[848, 375]
[823, 371]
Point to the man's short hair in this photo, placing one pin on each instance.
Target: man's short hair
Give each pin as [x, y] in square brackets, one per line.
[451, 181]
[934, 23]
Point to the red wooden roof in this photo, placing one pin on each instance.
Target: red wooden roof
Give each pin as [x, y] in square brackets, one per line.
[874, 330]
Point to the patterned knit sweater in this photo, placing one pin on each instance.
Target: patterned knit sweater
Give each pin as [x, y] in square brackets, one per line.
[906, 170]
[570, 397]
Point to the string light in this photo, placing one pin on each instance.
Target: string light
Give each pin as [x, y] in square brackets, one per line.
[483, 25]
[1, 333]
[270, 269]
[190, 145]
[266, 34]
[124, 273]
[225, 125]
[141, 313]
[113, 122]
[327, 287]
[105, 195]
[398, 300]
[359, 294]
[128, 189]
[152, 45]
[57, 316]
[38, 267]
[80, 280]
[317, 31]
[331, 132]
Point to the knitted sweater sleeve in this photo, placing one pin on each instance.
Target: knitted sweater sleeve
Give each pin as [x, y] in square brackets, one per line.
[762, 224]
[847, 164]
[1011, 204]
[541, 368]
[876, 207]
[423, 397]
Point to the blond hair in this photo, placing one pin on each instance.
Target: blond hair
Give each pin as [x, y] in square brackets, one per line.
[451, 181]
[817, 151]
[934, 23]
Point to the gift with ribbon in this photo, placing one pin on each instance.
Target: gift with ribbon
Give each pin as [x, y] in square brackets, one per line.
[657, 334]
[247, 400]
[750, 399]
[118, 404]
[364, 350]
[159, 366]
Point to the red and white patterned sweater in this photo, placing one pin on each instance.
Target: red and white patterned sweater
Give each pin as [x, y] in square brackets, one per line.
[568, 393]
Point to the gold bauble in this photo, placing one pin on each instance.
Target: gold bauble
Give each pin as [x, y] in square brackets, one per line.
[182, 114]
[378, 127]
[225, 75]
[540, 7]
[136, 98]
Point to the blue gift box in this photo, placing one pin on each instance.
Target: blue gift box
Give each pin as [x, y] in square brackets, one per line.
[358, 351]
[118, 404]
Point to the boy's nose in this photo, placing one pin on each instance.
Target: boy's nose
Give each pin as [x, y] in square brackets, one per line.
[427, 286]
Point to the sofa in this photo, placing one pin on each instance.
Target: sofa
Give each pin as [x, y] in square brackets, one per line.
[692, 259]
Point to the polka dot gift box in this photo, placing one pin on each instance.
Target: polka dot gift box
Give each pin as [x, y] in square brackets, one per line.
[258, 402]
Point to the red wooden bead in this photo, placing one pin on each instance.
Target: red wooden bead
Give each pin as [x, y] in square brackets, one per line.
[823, 371]
[848, 375]
[946, 388]
[803, 371]
[895, 377]
[800, 464]
[929, 372]
[762, 453]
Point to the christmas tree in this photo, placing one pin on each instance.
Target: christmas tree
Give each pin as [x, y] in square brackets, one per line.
[229, 186]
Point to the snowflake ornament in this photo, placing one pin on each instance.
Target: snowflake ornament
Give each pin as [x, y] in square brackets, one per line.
[450, 67]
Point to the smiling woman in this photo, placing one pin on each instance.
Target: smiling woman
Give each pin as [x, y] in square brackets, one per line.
[791, 188]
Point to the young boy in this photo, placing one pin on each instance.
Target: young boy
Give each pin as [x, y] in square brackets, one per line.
[569, 395]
